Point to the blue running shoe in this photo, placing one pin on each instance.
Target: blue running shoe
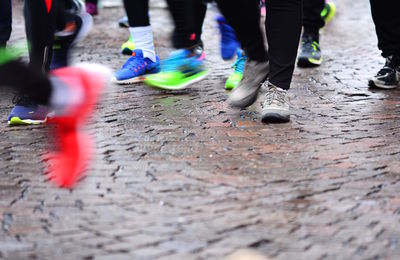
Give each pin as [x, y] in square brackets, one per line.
[229, 42]
[135, 68]
[25, 112]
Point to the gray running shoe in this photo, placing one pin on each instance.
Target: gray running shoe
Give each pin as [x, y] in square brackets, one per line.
[276, 107]
[246, 93]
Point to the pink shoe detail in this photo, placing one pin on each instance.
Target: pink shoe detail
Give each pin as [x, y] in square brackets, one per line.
[92, 9]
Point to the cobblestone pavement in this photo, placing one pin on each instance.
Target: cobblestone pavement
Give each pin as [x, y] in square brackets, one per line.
[183, 176]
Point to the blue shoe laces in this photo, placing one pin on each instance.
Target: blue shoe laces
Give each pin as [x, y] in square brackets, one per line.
[133, 63]
[239, 63]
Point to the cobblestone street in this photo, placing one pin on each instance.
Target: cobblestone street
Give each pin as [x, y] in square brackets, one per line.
[181, 175]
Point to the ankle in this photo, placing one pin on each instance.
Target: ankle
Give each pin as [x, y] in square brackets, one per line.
[393, 60]
[196, 50]
[311, 35]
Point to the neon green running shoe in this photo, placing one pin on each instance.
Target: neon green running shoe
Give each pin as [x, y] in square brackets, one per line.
[12, 53]
[128, 46]
[328, 12]
[237, 74]
[178, 71]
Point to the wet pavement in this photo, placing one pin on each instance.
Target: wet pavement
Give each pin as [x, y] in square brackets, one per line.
[180, 175]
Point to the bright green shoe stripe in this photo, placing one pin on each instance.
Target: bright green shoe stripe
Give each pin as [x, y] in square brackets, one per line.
[233, 80]
[17, 121]
[177, 82]
[315, 61]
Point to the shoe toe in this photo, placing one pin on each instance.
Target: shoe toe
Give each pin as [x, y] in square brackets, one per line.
[242, 98]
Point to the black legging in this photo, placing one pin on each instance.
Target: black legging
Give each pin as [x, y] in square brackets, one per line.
[34, 84]
[94, 1]
[312, 20]
[40, 26]
[387, 23]
[188, 16]
[283, 27]
[138, 12]
[5, 21]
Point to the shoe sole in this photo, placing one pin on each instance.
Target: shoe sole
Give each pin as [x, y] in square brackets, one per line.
[244, 102]
[123, 25]
[135, 79]
[308, 63]
[374, 84]
[14, 121]
[274, 117]
[180, 86]
[128, 81]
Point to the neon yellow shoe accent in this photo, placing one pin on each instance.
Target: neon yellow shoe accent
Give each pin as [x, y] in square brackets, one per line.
[233, 80]
[328, 12]
[17, 121]
[128, 46]
[315, 61]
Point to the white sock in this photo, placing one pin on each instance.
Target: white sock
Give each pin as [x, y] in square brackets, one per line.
[143, 39]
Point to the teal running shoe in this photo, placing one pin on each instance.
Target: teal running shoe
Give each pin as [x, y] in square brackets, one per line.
[237, 75]
[181, 69]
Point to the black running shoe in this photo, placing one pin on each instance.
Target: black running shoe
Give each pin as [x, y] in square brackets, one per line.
[389, 76]
[310, 55]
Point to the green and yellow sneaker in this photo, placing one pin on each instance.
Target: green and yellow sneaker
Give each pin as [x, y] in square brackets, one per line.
[128, 46]
[238, 68]
[310, 55]
[180, 70]
[328, 12]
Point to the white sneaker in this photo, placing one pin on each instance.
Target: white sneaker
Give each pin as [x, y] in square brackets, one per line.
[276, 107]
